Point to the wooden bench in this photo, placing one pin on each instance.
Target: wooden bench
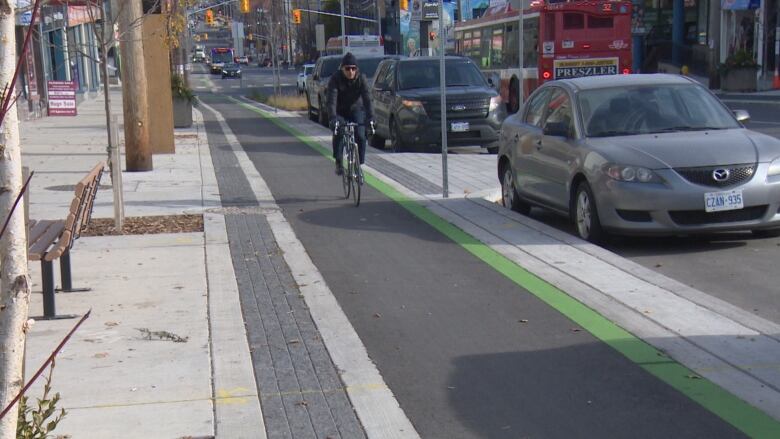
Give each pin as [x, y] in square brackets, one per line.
[48, 240]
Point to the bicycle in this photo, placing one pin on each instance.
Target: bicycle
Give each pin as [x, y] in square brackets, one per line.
[352, 177]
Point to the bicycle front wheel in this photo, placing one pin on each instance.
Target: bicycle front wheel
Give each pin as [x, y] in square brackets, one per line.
[346, 174]
[357, 182]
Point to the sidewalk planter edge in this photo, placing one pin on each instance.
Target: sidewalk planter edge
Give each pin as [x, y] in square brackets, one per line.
[182, 112]
[738, 79]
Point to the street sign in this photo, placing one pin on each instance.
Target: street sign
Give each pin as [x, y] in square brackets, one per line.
[62, 98]
[320, 36]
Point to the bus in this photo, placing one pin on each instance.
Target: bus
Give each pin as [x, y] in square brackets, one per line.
[359, 45]
[562, 40]
[219, 57]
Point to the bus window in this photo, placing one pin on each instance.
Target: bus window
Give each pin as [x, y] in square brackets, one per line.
[549, 27]
[595, 22]
[573, 20]
[531, 42]
[497, 48]
[510, 46]
[485, 49]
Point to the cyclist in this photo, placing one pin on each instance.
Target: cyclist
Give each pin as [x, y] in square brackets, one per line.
[349, 100]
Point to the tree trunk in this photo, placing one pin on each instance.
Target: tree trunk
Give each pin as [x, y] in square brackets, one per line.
[138, 151]
[14, 285]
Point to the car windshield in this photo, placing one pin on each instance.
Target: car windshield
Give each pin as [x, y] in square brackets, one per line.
[307, 70]
[329, 67]
[645, 109]
[424, 74]
[231, 66]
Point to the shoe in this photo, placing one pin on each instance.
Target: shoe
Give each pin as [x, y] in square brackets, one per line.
[339, 169]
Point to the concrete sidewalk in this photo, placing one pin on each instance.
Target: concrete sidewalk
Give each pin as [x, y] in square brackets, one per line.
[115, 382]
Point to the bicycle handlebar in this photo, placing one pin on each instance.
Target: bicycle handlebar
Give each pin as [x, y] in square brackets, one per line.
[353, 124]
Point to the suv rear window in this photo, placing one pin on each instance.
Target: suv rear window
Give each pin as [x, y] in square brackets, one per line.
[368, 66]
[425, 74]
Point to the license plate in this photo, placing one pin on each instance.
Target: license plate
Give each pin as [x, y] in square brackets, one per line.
[728, 200]
[459, 127]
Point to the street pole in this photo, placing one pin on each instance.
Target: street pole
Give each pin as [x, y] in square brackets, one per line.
[521, 44]
[378, 21]
[443, 88]
[343, 30]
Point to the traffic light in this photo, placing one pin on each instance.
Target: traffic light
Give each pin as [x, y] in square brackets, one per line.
[209, 17]
[404, 5]
[432, 35]
[296, 16]
[244, 6]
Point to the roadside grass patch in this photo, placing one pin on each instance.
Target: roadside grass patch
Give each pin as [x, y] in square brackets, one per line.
[288, 102]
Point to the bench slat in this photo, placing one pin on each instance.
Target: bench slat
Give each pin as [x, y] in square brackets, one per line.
[42, 244]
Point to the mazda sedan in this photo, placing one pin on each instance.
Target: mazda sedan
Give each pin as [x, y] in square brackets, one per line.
[639, 155]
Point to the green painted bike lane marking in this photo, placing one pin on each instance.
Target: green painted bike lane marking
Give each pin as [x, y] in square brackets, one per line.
[750, 420]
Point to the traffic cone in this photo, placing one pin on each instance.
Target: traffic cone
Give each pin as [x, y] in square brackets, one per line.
[776, 79]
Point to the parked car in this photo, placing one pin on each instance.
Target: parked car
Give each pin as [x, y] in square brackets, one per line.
[302, 76]
[242, 60]
[639, 154]
[407, 105]
[317, 83]
[231, 70]
[199, 56]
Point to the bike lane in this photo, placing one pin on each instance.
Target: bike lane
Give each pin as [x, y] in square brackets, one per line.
[467, 352]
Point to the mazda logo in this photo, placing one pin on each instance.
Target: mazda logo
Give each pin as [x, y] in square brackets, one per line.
[721, 175]
[458, 107]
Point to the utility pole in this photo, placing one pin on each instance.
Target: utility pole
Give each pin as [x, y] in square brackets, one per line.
[343, 30]
[138, 151]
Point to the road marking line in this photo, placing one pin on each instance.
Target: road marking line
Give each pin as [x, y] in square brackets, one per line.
[719, 401]
[374, 402]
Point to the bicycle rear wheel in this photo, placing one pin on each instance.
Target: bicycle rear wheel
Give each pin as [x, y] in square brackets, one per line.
[356, 180]
[346, 174]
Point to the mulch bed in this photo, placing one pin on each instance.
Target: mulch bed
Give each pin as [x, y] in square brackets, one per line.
[145, 225]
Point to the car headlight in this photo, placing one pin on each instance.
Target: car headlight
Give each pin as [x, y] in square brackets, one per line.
[774, 167]
[635, 174]
[495, 101]
[414, 106]
[225, 72]
[238, 71]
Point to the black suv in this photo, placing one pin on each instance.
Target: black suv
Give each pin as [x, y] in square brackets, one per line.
[317, 83]
[406, 94]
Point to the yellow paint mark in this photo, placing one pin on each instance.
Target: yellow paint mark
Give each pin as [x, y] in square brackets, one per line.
[237, 395]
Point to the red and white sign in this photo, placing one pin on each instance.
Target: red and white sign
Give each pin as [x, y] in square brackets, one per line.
[62, 98]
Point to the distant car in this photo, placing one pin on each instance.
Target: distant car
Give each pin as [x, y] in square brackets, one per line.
[302, 75]
[231, 70]
[407, 105]
[317, 83]
[242, 60]
[199, 56]
[639, 154]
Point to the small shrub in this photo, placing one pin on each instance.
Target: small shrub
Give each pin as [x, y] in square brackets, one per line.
[739, 59]
[179, 89]
[33, 422]
[257, 96]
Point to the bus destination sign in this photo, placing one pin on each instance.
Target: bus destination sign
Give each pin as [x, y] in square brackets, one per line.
[576, 68]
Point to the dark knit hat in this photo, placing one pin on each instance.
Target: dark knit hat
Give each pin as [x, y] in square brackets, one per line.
[349, 60]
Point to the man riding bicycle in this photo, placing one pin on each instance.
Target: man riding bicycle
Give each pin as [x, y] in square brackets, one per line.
[349, 101]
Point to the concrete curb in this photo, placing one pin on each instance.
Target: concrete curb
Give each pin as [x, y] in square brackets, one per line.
[237, 411]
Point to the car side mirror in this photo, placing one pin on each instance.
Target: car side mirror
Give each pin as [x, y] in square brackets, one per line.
[742, 115]
[558, 129]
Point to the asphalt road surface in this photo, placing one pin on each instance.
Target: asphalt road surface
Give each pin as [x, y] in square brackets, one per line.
[444, 328]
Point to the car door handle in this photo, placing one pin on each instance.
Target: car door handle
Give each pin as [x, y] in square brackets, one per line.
[538, 143]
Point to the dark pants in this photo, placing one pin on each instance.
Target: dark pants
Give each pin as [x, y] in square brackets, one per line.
[357, 116]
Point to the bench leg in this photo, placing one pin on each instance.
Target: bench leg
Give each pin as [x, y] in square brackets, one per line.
[49, 312]
[67, 280]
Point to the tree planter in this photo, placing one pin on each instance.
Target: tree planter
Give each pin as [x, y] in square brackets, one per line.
[182, 112]
[738, 79]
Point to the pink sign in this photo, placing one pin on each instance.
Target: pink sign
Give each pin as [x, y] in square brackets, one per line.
[62, 98]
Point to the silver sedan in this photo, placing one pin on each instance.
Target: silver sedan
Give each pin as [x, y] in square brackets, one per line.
[639, 154]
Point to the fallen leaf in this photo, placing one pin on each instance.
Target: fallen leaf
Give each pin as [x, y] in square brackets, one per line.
[377, 315]
[111, 324]
[575, 329]
[693, 377]
[658, 265]
[101, 355]
[523, 321]
[296, 341]
[303, 403]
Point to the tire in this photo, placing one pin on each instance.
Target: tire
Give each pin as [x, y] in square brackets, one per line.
[378, 142]
[509, 197]
[323, 115]
[356, 183]
[312, 116]
[766, 233]
[346, 180]
[585, 215]
[395, 137]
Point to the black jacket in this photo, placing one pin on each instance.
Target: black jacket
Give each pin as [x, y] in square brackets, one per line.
[345, 96]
